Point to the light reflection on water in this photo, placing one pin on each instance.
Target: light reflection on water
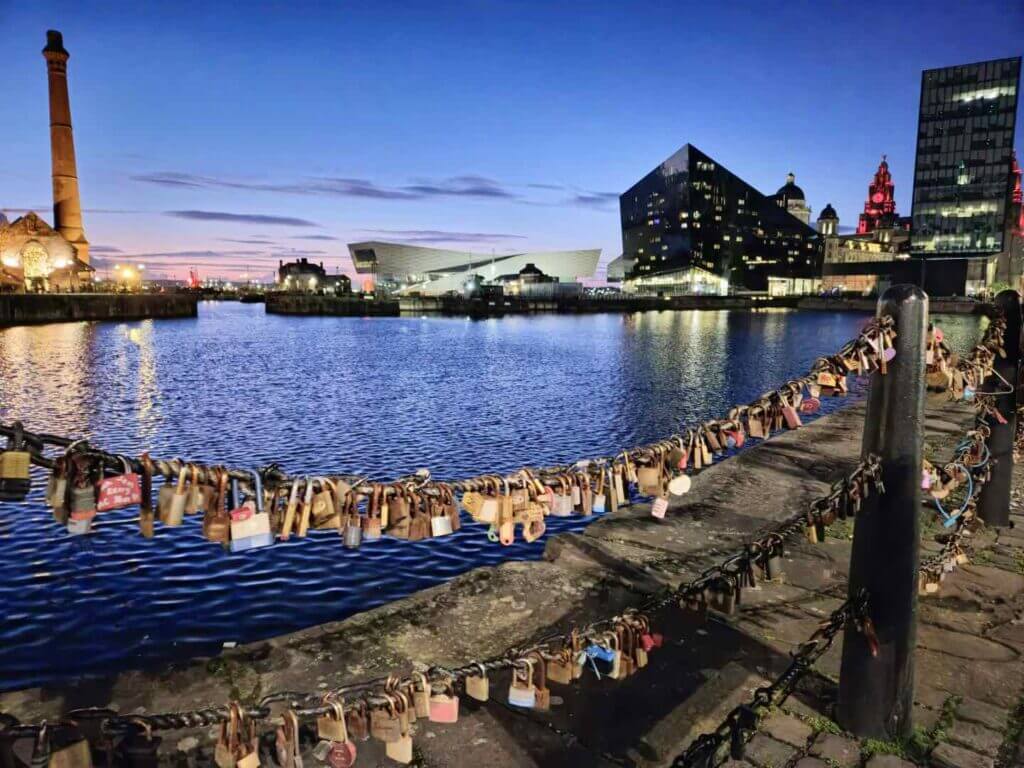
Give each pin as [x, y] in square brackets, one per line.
[381, 396]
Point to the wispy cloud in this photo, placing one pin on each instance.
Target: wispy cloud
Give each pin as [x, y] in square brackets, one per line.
[461, 186]
[248, 241]
[291, 253]
[37, 209]
[98, 249]
[465, 186]
[545, 186]
[198, 254]
[594, 199]
[313, 237]
[241, 218]
[442, 236]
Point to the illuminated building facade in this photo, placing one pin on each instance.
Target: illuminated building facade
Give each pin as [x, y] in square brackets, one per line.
[413, 269]
[306, 277]
[791, 199]
[863, 263]
[965, 136]
[691, 226]
[36, 257]
[880, 205]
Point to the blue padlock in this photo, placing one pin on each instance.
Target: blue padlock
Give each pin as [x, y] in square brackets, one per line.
[968, 393]
[601, 659]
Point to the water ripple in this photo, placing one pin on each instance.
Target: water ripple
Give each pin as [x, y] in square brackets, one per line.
[382, 397]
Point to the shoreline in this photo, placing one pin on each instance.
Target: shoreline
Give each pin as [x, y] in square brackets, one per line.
[24, 309]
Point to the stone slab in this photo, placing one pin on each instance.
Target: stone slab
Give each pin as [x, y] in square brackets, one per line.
[765, 752]
[976, 738]
[836, 750]
[787, 729]
[701, 712]
[888, 761]
[951, 756]
[974, 711]
[811, 762]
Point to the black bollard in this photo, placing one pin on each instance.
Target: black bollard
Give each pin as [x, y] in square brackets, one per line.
[876, 693]
[994, 503]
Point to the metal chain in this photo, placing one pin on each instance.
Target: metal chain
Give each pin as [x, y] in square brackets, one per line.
[741, 723]
[372, 693]
[867, 348]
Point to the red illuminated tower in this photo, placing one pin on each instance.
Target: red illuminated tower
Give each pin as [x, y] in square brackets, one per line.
[880, 207]
[1017, 196]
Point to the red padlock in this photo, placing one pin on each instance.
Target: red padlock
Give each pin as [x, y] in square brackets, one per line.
[119, 491]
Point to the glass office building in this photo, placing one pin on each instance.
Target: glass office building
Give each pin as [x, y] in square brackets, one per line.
[963, 163]
[691, 226]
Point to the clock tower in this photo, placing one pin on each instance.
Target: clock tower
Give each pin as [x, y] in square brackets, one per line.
[880, 207]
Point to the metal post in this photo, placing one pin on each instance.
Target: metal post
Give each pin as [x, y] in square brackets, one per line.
[994, 504]
[876, 694]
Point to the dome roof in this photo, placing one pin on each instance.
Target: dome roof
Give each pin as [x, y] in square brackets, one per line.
[789, 190]
[828, 212]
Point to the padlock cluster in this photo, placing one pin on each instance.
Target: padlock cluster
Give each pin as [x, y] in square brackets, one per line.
[968, 471]
[245, 510]
[720, 587]
[964, 377]
[389, 709]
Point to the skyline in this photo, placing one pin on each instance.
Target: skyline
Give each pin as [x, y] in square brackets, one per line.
[447, 127]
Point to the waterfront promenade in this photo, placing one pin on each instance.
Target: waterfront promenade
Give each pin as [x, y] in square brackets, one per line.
[969, 643]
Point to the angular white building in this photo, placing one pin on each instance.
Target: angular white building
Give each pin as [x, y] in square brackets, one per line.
[402, 268]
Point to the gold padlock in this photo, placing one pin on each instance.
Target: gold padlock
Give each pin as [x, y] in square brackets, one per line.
[15, 481]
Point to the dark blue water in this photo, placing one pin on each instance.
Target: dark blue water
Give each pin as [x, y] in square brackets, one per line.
[381, 396]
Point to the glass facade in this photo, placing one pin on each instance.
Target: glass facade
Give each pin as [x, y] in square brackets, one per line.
[964, 143]
[691, 214]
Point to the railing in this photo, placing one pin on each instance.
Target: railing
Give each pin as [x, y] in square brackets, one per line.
[883, 494]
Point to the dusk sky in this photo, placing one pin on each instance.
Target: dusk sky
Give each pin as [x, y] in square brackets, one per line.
[229, 135]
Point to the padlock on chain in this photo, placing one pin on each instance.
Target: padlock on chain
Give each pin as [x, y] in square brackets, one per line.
[15, 461]
[140, 748]
[83, 496]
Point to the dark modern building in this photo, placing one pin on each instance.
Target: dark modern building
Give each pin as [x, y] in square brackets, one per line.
[691, 226]
[962, 173]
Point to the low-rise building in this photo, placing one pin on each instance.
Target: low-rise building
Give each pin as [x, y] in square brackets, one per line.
[532, 283]
[36, 257]
[306, 277]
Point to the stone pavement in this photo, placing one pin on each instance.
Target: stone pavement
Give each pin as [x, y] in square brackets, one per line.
[970, 678]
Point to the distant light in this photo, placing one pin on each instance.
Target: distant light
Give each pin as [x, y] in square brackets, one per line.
[142, 266]
[10, 261]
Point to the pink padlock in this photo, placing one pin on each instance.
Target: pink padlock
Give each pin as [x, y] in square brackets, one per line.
[444, 707]
[342, 754]
[810, 405]
[659, 507]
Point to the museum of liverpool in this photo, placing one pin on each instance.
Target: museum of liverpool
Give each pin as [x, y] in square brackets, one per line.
[411, 269]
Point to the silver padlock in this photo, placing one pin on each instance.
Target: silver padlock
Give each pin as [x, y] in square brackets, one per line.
[353, 535]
